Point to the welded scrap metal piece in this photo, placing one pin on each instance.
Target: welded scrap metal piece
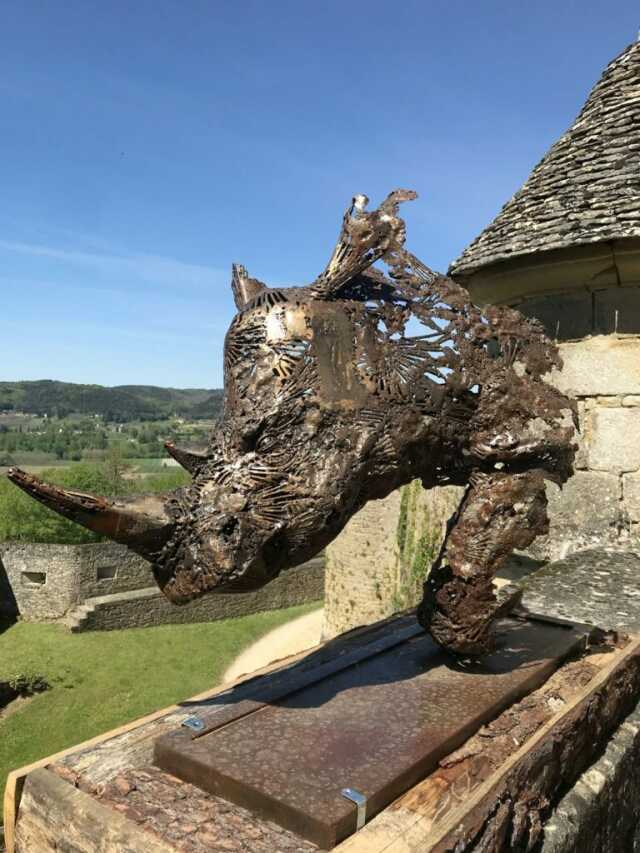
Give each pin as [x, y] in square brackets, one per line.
[331, 400]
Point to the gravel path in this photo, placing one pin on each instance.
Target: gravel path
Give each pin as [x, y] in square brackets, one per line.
[296, 636]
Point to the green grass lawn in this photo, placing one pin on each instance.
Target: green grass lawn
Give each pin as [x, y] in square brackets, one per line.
[102, 679]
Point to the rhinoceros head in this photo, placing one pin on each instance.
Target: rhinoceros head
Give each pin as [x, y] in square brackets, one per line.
[337, 393]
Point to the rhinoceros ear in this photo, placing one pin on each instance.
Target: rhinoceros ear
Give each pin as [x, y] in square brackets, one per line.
[244, 288]
[142, 523]
[365, 238]
[190, 460]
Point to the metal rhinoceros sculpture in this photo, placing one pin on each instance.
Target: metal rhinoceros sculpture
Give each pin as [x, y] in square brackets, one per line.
[332, 401]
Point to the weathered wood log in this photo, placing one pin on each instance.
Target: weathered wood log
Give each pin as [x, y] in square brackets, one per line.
[493, 795]
[57, 816]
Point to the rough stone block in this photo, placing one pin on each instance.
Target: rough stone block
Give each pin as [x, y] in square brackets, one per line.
[614, 441]
[583, 514]
[603, 365]
[600, 586]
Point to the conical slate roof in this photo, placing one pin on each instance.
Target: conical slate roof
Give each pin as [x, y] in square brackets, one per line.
[586, 188]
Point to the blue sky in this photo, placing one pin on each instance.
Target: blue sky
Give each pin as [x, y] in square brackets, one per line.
[146, 145]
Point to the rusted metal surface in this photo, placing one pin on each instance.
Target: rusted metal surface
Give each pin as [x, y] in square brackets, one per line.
[290, 761]
[331, 400]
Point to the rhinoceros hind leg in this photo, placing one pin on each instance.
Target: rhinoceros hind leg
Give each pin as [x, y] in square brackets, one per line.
[498, 513]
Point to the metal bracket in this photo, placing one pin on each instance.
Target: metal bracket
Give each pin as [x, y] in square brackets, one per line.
[193, 723]
[361, 802]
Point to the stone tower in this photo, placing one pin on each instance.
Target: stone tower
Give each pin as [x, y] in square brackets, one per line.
[566, 249]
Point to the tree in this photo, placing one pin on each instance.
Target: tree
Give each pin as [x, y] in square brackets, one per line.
[115, 471]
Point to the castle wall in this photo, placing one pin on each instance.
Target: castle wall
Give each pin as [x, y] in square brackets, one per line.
[144, 608]
[377, 565]
[47, 581]
[598, 335]
[41, 582]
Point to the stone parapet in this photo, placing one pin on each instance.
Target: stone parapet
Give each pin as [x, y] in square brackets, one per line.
[600, 813]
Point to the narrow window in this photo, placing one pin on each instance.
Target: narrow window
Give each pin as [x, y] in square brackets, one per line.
[34, 579]
[106, 573]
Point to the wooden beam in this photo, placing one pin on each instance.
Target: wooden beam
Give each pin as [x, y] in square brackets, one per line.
[89, 826]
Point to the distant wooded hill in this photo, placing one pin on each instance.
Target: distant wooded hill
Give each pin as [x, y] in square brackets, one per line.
[122, 403]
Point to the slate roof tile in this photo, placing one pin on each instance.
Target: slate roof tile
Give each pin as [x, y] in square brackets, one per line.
[586, 189]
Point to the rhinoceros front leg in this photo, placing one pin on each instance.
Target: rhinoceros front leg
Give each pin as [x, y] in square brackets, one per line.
[499, 512]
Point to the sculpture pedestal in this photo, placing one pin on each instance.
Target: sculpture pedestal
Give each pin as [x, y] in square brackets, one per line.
[498, 785]
[376, 726]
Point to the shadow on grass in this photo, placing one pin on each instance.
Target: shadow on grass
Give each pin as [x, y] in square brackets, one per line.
[5, 624]
[8, 603]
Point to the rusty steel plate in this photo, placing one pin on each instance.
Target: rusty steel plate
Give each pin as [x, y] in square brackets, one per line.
[377, 727]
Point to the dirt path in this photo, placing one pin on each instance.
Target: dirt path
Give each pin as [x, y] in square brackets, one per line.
[296, 636]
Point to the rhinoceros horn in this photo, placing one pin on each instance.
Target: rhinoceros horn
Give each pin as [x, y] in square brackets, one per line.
[141, 523]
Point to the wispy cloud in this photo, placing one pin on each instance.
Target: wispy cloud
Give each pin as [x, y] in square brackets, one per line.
[151, 268]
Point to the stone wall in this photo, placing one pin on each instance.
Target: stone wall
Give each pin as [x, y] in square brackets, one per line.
[600, 812]
[143, 608]
[361, 566]
[376, 566]
[601, 503]
[47, 581]
[8, 603]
